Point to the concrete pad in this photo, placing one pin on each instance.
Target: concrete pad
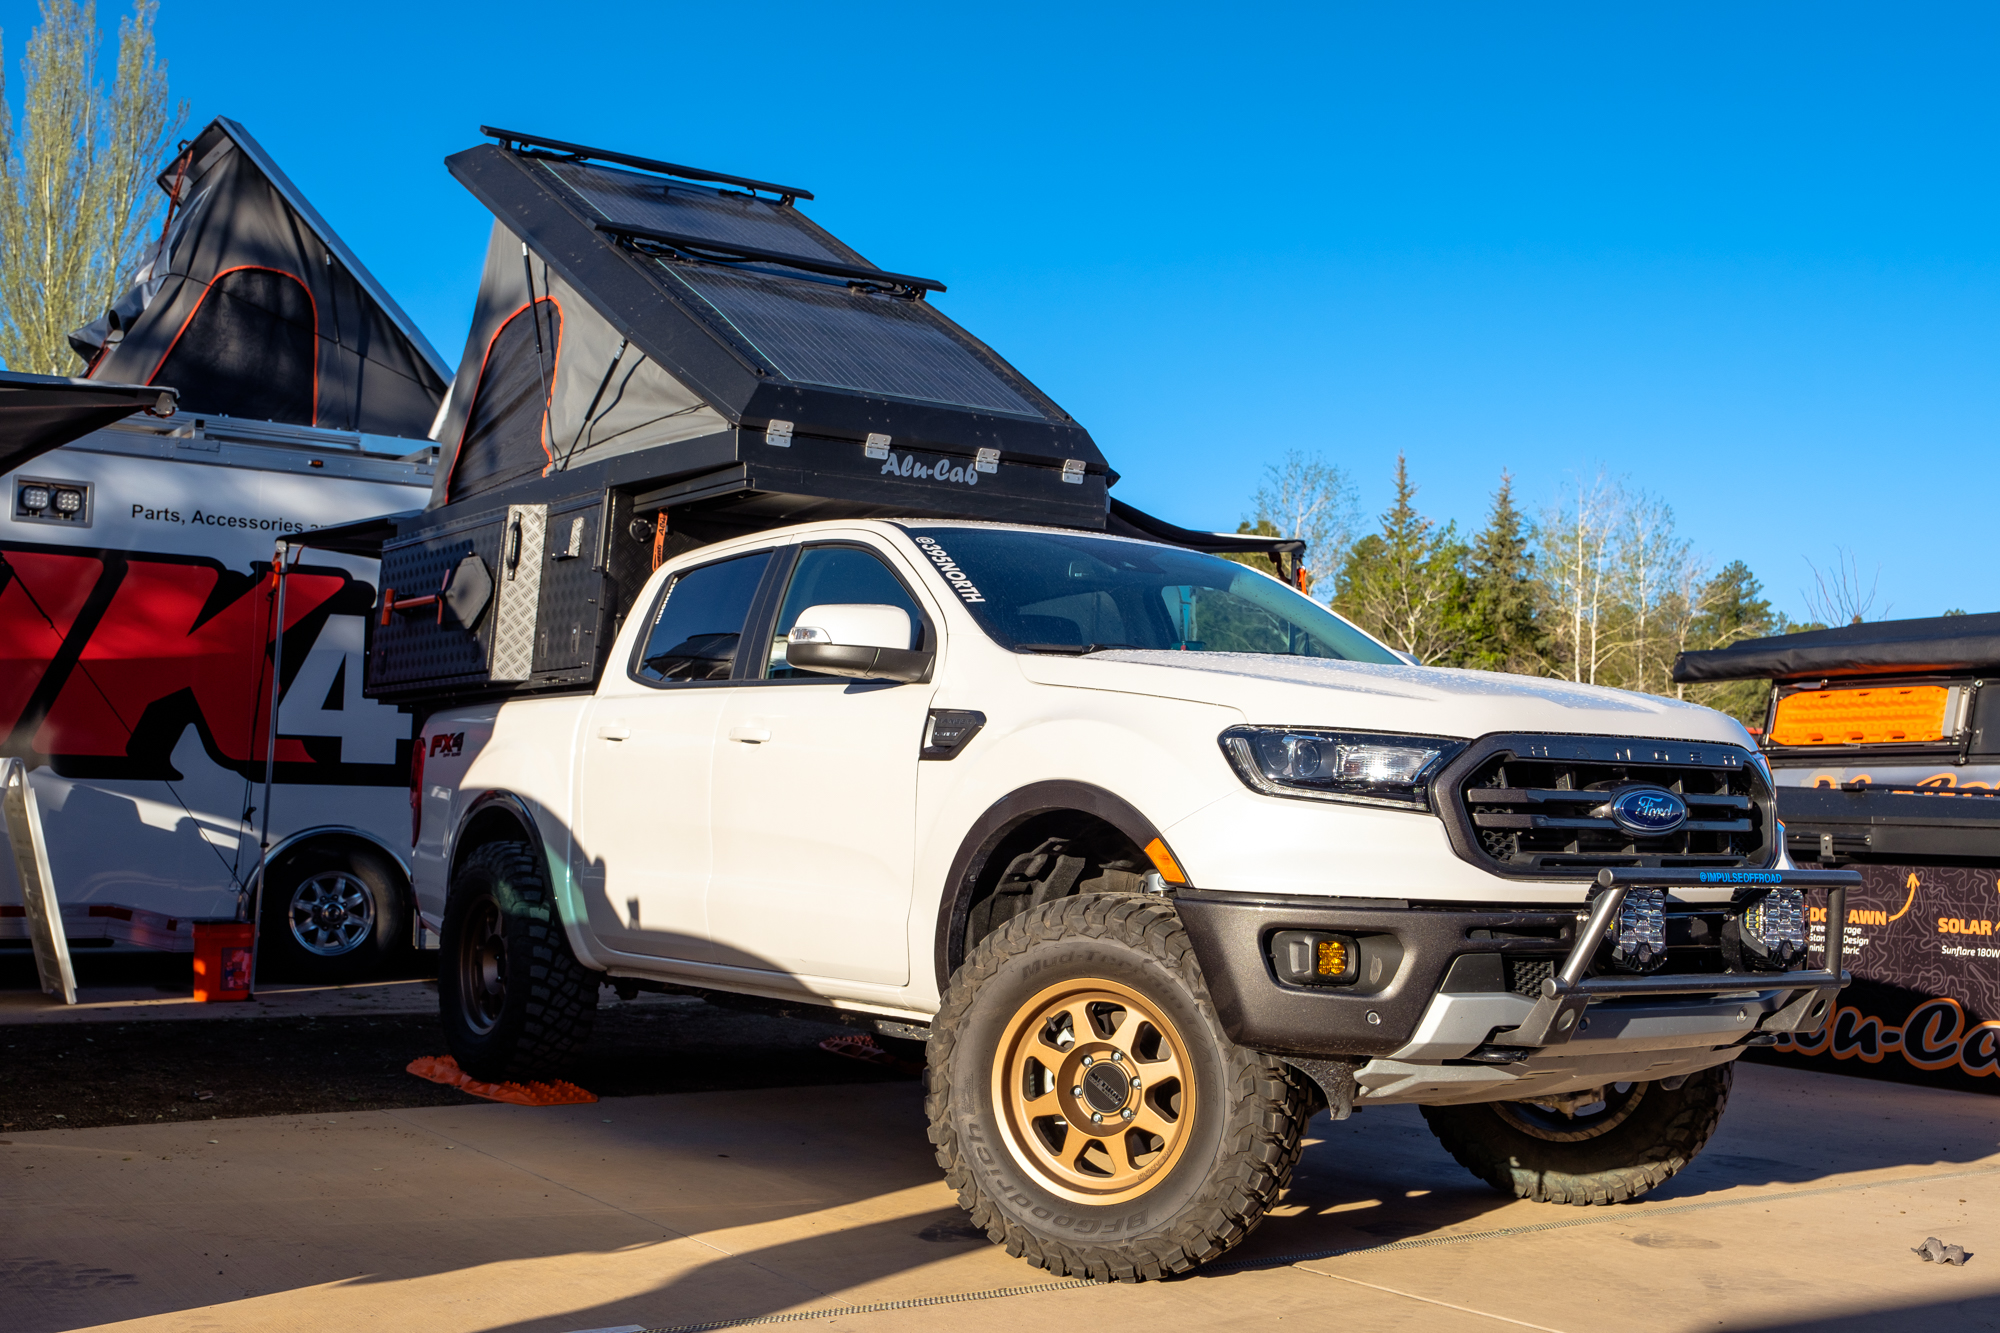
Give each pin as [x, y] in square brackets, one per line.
[662, 1212]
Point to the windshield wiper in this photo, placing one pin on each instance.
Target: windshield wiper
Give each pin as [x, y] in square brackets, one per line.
[1069, 649]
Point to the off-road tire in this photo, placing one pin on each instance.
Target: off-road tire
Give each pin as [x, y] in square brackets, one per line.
[1660, 1136]
[1247, 1117]
[501, 910]
[380, 926]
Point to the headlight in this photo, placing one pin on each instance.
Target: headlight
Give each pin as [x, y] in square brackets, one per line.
[1358, 767]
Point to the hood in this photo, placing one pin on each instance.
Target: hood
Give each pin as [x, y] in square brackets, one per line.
[1432, 701]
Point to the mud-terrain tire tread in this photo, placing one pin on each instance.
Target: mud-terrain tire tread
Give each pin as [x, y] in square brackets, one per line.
[1492, 1150]
[1263, 1135]
[559, 1007]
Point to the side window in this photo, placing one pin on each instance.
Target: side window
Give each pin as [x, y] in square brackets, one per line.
[700, 621]
[837, 574]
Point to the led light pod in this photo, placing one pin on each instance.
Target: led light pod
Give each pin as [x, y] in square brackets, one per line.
[1640, 944]
[1774, 930]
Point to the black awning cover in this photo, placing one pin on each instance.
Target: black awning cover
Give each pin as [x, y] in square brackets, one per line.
[43, 412]
[1942, 643]
[678, 323]
[252, 307]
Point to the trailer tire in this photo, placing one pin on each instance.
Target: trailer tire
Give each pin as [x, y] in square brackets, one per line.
[515, 1001]
[1219, 1127]
[332, 915]
[1642, 1138]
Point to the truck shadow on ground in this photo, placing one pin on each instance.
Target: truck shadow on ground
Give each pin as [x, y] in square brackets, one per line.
[1377, 1178]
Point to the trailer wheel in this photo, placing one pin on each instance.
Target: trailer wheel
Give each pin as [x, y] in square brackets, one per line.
[1088, 1107]
[1636, 1139]
[331, 915]
[514, 1000]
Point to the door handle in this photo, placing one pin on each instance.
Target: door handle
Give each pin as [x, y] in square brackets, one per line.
[750, 735]
[615, 731]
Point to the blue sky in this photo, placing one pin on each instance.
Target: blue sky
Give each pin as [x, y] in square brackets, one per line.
[1744, 255]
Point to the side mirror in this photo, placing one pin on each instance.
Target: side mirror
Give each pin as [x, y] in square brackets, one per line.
[857, 640]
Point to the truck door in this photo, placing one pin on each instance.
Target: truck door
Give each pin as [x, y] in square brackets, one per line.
[815, 796]
[643, 807]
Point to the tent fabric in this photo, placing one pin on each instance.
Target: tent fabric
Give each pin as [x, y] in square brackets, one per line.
[680, 349]
[1940, 643]
[604, 397]
[253, 308]
[43, 412]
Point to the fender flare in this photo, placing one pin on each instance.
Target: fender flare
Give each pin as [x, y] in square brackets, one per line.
[514, 808]
[990, 829]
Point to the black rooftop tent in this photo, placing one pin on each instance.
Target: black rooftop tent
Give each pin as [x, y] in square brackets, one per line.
[640, 321]
[252, 307]
[43, 412]
[661, 357]
[1936, 643]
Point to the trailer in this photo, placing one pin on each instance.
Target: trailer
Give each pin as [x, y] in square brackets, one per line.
[142, 627]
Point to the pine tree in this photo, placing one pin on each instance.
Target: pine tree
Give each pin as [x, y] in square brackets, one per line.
[1501, 633]
[1733, 608]
[1406, 584]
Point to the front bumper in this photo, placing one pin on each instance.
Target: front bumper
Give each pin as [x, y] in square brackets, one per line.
[1431, 986]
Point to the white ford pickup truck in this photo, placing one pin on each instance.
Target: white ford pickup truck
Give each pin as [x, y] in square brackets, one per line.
[1158, 855]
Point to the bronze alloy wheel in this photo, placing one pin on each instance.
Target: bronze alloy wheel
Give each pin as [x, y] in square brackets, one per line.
[482, 966]
[1094, 1090]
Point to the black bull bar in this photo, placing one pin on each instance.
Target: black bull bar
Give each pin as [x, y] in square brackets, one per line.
[1559, 1011]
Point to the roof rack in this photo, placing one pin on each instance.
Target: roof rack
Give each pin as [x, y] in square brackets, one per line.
[697, 247]
[521, 143]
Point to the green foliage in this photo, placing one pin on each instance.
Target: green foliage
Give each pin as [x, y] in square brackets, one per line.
[1501, 632]
[1733, 608]
[76, 200]
[1406, 584]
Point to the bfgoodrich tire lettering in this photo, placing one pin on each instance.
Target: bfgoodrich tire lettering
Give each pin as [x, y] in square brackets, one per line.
[1648, 1134]
[514, 1000]
[1233, 1149]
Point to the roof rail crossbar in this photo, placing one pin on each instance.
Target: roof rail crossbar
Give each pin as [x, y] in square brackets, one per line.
[521, 142]
[699, 247]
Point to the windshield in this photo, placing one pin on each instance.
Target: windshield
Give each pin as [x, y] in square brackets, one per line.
[1062, 592]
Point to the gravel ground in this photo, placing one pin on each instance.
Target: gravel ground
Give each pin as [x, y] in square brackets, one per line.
[72, 1076]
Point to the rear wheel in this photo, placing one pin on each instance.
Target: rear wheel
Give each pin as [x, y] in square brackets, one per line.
[515, 1002]
[1086, 1104]
[331, 915]
[1628, 1139]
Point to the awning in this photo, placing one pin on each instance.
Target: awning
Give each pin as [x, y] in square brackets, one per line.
[43, 412]
[1936, 643]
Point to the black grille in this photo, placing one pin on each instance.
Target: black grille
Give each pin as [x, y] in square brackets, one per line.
[1526, 975]
[1541, 805]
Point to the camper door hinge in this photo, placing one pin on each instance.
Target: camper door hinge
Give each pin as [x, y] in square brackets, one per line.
[778, 434]
[877, 446]
[1073, 471]
[988, 460]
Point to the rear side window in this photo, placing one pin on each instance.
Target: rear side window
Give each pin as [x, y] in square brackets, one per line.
[700, 622]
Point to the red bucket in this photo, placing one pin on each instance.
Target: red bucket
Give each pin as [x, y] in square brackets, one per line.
[222, 960]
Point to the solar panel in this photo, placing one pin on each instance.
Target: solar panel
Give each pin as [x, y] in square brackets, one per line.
[719, 215]
[816, 333]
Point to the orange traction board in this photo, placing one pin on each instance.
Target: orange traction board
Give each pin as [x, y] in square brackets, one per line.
[444, 1069]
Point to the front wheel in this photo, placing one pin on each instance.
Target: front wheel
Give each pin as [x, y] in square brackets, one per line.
[1630, 1139]
[1087, 1106]
[515, 1001]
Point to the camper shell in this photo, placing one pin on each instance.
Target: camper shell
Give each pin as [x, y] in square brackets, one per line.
[1883, 738]
[254, 381]
[662, 357]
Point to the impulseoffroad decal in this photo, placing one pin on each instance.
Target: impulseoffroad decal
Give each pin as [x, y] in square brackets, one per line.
[960, 583]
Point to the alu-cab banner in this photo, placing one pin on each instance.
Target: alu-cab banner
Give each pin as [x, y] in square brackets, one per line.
[1923, 945]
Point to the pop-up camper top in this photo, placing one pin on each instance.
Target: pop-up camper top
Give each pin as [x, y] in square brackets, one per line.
[660, 357]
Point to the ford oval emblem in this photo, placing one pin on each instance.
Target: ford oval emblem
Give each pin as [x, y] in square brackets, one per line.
[1648, 811]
